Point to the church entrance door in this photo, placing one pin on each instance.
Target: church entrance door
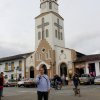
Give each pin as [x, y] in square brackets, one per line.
[31, 72]
[63, 69]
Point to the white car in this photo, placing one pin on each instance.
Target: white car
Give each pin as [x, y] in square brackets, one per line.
[97, 80]
[21, 83]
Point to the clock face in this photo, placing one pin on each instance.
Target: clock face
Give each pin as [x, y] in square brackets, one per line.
[43, 6]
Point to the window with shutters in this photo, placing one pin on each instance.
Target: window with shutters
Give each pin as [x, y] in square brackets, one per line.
[20, 65]
[12, 66]
[6, 66]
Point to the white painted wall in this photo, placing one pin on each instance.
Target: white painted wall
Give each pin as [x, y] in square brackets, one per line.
[61, 58]
[52, 40]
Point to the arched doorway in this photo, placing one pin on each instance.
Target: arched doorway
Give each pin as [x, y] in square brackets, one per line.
[63, 69]
[45, 69]
[31, 72]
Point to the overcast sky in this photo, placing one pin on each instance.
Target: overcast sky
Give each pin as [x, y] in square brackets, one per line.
[17, 25]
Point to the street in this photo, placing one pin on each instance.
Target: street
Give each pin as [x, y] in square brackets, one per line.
[88, 92]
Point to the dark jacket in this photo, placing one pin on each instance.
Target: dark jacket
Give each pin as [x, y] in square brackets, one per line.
[1, 81]
[76, 79]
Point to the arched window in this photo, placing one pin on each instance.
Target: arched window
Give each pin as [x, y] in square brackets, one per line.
[39, 35]
[61, 36]
[47, 33]
[56, 35]
[50, 5]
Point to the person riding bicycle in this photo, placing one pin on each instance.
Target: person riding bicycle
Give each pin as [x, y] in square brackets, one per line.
[76, 80]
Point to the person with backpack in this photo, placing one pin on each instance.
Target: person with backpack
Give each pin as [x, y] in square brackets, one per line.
[43, 85]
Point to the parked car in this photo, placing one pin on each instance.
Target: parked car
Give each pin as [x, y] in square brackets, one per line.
[10, 83]
[5, 83]
[21, 83]
[97, 80]
[30, 83]
[86, 79]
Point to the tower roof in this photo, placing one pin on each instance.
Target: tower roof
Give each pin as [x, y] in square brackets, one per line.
[43, 1]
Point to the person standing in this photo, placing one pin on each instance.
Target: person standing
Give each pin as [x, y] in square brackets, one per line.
[2, 82]
[43, 85]
[76, 80]
[1, 85]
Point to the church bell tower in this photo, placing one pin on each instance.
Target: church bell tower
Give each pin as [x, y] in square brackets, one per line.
[49, 32]
[49, 24]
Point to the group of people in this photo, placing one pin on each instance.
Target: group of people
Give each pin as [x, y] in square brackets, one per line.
[1, 84]
[43, 83]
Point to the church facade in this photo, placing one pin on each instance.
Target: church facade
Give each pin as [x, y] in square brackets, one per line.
[50, 51]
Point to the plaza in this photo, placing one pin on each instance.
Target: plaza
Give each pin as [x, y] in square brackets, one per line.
[88, 92]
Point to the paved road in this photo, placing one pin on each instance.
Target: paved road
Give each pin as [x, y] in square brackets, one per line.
[90, 92]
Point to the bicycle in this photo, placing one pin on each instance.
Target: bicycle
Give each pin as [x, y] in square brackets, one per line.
[77, 91]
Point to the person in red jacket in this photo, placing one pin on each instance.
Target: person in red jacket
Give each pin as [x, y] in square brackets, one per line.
[1, 85]
[2, 82]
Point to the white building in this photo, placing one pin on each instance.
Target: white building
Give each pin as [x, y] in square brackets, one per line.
[89, 64]
[18, 66]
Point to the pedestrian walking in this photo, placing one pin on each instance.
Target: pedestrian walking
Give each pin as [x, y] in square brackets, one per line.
[76, 80]
[2, 82]
[43, 85]
[1, 85]
[76, 84]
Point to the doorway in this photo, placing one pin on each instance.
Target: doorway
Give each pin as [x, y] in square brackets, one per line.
[92, 70]
[63, 69]
[31, 72]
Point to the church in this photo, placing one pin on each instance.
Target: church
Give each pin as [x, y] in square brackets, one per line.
[50, 51]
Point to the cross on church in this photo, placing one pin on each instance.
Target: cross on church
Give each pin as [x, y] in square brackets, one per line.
[43, 26]
[59, 27]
